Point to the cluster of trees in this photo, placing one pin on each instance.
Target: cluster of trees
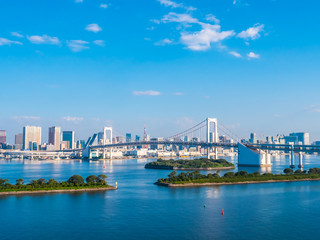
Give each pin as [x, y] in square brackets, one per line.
[75, 181]
[196, 163]
[241, 176]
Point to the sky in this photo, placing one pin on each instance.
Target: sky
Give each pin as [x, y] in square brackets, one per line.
[86, 64]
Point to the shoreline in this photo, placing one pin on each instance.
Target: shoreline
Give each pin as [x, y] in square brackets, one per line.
[57, 191]
[227, 183]
[191, 169]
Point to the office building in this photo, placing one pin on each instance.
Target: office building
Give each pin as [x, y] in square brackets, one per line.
[301, 137]
[55, 137]
[2, 136]
[128, 137]
[68, 136]
[18, 141]
[31, 134]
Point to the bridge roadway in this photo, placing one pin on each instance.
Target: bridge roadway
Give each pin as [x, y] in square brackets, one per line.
[273, 147]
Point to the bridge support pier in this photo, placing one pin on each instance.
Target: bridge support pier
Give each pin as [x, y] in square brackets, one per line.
[300, 160]
[292, 158]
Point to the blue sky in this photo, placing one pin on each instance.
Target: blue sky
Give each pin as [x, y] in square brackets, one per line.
[167, 64]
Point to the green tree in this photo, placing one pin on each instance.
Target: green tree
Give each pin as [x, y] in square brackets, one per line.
[172, 174]
[298, 171]
[229, 174]
[76, 179]
[3, 182]
[52, 182]
[241, 173]
[288, 171]
[92, 179]
[41, 181]
[102, 179]
[19, 181]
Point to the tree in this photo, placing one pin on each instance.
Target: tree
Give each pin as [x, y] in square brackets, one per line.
[298, 171]
[242, 173]
[19, 181]
[102, 179]
[3, 182]
[41, 181]
[52, 182]
[256, 174]
[92, 179]
[76, 179]
[229, 174]
[288, 171]
[172, 174]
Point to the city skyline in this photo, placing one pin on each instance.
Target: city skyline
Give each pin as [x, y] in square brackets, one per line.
[252, 70]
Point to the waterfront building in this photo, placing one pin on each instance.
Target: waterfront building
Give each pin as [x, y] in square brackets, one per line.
[18, 141]
[64, 145]
[128, 137]
[80, 144]
[55, 137]
[31, 134]
[302, 137]
[253, 138]
[100, 137]
[186, 139]
[137, 138]
[68, 136]
[3, 136]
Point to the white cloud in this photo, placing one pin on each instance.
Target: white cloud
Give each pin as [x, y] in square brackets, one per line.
[77, 45]
[93, 28]
[25, 118]
[156, 21]
[235, 2]
[163, 42]
[179, 18]
[103, 5]
[212, 18]
[172, 4]
[252, 33]
[78, 1]
[253, 55]
[201, 40]
[146, 93]
[16, 34]
[235, 54]
[4, 41]
[100, 43]
[72, 119]
[44, 39]
[179, 94]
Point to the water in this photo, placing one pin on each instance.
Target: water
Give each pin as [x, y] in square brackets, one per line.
[141, 210]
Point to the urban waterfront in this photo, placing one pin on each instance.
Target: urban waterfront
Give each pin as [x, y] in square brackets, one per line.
[141, 210]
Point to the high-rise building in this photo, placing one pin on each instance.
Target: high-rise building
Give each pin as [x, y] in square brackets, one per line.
[302, 137]
[18, 141]
[31, 134]
[137, 138]
[55, 137]
[253, 138]
[128, 137]
[100, 137]
[69, 137]
[2, 136]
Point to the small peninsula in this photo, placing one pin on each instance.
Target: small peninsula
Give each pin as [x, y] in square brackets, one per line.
[196, 164]
[75, 183]
[196, 179]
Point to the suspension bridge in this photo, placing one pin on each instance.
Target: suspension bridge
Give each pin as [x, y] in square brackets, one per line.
[204, 135]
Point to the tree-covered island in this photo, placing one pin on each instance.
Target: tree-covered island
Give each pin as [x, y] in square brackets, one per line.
[189, 179]
[196, 164]
[76, 183]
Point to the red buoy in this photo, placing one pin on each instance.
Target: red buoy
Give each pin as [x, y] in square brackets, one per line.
[222, 213]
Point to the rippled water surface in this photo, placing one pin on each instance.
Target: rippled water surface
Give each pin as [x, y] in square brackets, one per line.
[141, 210]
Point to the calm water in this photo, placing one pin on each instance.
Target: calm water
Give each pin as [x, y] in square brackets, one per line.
[141, 210]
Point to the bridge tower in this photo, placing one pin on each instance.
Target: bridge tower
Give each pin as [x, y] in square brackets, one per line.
[105, 131]
[215, 139]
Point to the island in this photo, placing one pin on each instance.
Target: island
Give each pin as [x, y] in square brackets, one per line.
[196, 164]
[75, 183]
[196, 179]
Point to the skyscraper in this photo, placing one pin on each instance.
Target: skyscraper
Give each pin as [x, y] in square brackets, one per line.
[128, 137]
[31, 134]
[69, 137]
[55, 137]
[18, 141]
[2, 136]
